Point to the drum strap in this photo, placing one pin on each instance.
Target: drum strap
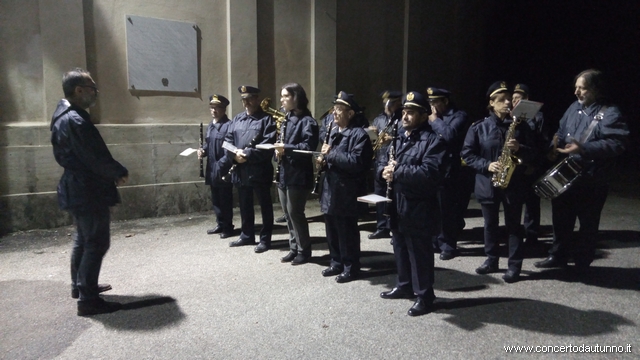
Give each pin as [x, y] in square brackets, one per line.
[599, 116]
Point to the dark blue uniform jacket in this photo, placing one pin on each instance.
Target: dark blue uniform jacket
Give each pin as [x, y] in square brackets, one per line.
[607, 141]
[420, 165]
[261, 129]
[90, 171]
[452, 128]
[296, 169]
[483, 145]
[347, 164]
[218, 164]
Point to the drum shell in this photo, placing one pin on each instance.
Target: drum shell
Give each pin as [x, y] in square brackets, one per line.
[558, 179]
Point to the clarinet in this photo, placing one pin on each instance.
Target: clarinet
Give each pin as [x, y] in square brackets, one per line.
[283, 127]
[316, 186]
[392, 158]
[251, 145]
[202, 157]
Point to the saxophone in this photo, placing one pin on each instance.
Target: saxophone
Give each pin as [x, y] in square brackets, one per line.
[278, 116]
[507, 160]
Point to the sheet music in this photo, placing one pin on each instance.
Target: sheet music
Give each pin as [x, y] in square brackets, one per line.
[265, 146]
[527, 109]
[373, 199]
[307, 152]
[229, 146]
[188, 152]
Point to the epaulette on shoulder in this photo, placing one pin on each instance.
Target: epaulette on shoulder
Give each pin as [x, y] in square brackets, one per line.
[478, 122]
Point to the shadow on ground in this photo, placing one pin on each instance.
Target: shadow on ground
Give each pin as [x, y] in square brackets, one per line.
[142, 313]
[529, 315]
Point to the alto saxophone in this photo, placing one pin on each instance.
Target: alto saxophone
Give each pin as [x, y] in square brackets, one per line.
[507, 160]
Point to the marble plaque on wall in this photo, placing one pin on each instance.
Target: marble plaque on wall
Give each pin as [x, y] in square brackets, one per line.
[162, 55]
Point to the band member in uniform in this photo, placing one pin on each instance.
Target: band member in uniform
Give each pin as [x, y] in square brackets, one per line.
[593, 131]
[253, 169]
[414, 174]
[359, 119]
[87, 188]
[346, 159]
[218, 165]
[298, 132]
[451, 125]
[392, 101]
[533, 170]
[483, 145]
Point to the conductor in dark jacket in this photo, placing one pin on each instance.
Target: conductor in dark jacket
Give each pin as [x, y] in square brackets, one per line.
[87, 188]
[253, 170]
[415, 175]
[347, 158]
[218, 165]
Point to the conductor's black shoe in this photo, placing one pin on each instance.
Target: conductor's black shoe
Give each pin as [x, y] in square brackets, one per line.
[300, 259]
[226, 234]
[380, 234]
[215, 230]
[242, 242]
[262, 247]
[97, 306]
[346, 276]
[551, 261]
[289, 257]
[331, 271]
[398, 293]
[511, 276]
[447, 255]
[281, 219]
[487, 268]
[420, 307]
[75, 293]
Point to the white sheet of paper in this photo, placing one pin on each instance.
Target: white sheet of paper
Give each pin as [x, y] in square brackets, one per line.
[526, 108]
[265, 146]
[188, 152]
[305, 151]
[373, 199]
[229, 146]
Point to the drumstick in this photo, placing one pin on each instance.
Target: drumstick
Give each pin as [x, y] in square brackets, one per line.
[554, 153]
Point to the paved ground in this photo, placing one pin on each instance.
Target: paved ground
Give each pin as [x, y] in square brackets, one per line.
[188, 295]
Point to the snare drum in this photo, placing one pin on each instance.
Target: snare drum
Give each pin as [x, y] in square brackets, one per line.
[558, 179]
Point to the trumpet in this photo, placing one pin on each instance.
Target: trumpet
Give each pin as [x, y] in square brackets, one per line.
[388, 131]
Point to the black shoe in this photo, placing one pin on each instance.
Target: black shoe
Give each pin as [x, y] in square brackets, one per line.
[215, 230]
[226, 234]
[447, 255]
[345, 277]
[281, 219]
[262, 247]
[289, 257]
[420, 307]
[380, 234]
[75, 293]
[551, 261]
[398, 293]
[511, 276]
[97, 306]
[242, 242]
[331, 271]
[488, 267]
[300, 259]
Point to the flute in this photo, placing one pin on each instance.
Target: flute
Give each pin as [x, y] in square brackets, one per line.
[201, 158]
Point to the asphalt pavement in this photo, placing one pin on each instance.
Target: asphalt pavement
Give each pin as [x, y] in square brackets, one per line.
[188, 295]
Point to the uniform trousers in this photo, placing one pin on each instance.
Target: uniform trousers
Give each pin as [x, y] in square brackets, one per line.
[448, 196]
[293, 200]
[91, 243]
[532, 215]
[343, 237]
[584, 203]
[414, 260]
[512, 215]
[247, 214]
[222, 204]
[382, 221]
